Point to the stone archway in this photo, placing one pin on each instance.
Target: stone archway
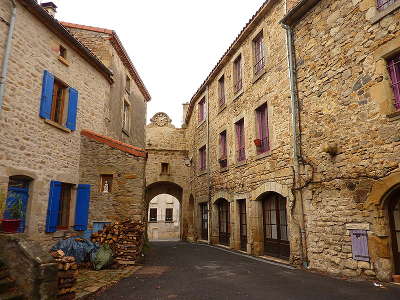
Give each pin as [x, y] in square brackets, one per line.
[165, 187]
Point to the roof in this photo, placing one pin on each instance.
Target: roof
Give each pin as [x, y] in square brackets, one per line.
[230, 52]
[135, 151]
[116, 42]
[52, 24]
[298, 11]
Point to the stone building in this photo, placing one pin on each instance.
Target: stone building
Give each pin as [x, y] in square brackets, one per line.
[347, 65]
[59, 139]
[164, 219]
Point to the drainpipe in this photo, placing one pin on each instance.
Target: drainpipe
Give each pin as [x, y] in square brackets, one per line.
[209, 168]
[296, 141]
[7, 52]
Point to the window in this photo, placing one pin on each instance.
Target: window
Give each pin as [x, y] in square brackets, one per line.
[202, 110]
[394, 72]
[383, 4]
[128, 84]
[202, 158]
[239, 128]
[164, 168]
[125, 117]
[54, 103]
[65, 202]
[223, 160]
[262, 141]
[237, 74]
[58, 105]
[221, 91]
[106, 183]
[259, 60]
[168, 214]
[153, 215]
[63, 52]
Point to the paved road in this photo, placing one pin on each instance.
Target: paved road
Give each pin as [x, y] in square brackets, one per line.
[185, 271]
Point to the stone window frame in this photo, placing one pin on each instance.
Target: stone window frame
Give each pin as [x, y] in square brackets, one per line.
[63, 55]
[256, 105]
[237, 94]
[382, 91]
[377, 15]
[106, 178]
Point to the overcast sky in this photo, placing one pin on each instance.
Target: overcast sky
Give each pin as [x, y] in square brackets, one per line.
[174, 44]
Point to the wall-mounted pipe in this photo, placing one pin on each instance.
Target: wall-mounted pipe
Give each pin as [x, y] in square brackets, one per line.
[296, 141]
[7, 52]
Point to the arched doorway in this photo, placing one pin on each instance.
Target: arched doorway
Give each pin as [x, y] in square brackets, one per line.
[224, 226]
[17, 199]
[164, 210]
[164, 218]
[394, 223]
[275, 226]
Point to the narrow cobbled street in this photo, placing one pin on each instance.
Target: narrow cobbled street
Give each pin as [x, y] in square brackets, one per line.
[188, 271]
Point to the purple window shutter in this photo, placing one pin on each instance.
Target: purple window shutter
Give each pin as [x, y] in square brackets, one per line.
[259, 124]
[394, 71]
[359, 240]
[266, 128]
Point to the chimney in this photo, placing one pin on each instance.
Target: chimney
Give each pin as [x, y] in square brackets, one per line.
[50, 7]
[185, 110]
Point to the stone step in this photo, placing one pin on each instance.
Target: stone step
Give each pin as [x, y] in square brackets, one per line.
[5, 285]
[13, 295]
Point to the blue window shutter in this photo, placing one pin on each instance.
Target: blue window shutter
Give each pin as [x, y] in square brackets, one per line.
[72, 108]
[82, 207]
[53, 206]
[47, 95]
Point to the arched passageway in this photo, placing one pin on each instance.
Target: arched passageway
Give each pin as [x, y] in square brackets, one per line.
[164, 207]
[393, 207]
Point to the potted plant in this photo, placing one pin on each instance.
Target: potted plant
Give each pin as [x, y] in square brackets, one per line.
[257, 142]
[16, 212]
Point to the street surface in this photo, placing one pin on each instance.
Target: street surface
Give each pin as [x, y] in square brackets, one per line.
[178, 270]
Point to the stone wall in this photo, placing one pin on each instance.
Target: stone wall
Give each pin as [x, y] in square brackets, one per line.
[126, 198]
[100, 44]
[261, 174]
[28, 145]
[346, 102]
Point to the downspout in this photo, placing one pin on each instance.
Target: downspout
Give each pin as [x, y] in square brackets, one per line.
[296, 141]
[209, 168]
[7, 52]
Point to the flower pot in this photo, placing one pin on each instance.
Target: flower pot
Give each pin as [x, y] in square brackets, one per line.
[257, 142]
[10, 226]
[396, 278]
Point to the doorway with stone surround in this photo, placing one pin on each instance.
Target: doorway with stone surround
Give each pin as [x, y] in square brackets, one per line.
[394, 224]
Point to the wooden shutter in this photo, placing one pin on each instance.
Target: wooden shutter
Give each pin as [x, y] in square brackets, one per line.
[82, 207]
[53, 206]
[47, 95]
[72, 109]
[359, 240]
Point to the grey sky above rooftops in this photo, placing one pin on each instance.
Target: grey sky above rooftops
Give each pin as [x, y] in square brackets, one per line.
[173, 44]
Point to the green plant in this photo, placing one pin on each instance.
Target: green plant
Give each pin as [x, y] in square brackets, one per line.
[16, 210]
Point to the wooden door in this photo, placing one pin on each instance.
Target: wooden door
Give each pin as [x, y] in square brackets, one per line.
[276, 241]
[204, 221]
[243, 224]
[394, 212]
[224, 222]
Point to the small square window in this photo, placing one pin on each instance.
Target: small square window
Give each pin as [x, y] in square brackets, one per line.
[106, 181]
[164, 169]
[63, 52]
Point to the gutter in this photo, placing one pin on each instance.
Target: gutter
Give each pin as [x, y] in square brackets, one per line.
[7, 52]
[296, 142]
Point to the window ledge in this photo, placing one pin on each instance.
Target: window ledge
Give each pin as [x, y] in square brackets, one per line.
[259, 75]
[201, 123]
[125, 131]
[63, 61]
[221, 108]
[202, 172]
[223, 170]
[238, 94]
[153, 222]
[263, 155]
[380, 14]
[241, 163]
[58, 126]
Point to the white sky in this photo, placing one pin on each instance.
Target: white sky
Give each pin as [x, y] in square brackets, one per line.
[174, 44]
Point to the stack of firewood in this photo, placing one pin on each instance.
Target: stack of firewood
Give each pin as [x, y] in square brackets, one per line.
[67, 274]
[126, 239]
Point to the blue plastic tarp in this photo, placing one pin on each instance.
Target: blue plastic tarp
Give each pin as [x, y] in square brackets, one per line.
[76, 247]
